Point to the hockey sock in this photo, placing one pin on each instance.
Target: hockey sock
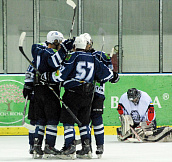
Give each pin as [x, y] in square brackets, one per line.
[31, 137]
[69, 134]
[31, 134]
[98, 127]
[39, 133]
[51, 134]
[85, 133]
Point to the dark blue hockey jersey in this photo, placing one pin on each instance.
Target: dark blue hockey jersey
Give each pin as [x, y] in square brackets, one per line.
[79, 68]
[46, 59]
[99, 89]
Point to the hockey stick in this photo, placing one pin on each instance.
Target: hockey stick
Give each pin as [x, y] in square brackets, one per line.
[67, 108]
[28, 126]
[22, 37]
[21, 40]
[137, 136]
[73, 5]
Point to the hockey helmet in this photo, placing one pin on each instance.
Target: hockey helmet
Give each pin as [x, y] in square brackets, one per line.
[80, 43]
[54, 35]
[133, 95]
[87, 37]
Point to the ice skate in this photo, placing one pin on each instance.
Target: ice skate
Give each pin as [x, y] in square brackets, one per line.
[85, 152]
[31, 149]
[37, 153]
[99, 151]
[50, 152]
[68, 153]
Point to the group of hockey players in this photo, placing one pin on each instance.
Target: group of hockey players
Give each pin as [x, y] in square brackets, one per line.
[82, 71]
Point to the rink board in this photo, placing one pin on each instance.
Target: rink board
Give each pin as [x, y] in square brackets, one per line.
[109, 130]
[158, 86]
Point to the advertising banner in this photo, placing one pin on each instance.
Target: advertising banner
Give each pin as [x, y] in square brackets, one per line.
[157, 86]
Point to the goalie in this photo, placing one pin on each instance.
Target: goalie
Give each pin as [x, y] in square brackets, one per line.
[137, 117]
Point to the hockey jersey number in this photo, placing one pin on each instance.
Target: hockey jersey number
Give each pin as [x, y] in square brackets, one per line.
[84, 70]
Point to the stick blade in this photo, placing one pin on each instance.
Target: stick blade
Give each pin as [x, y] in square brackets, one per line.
[71, 3]
[21, 39]
[133, 140]
[28, 126]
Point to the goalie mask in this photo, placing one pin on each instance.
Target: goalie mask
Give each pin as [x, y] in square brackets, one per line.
[134, 95]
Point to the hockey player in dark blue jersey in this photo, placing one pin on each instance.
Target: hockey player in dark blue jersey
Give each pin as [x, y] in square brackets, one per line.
[46, 106]
[79, 71]
[28, 91]
[99, 97]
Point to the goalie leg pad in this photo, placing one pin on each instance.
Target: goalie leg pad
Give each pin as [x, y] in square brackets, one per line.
[162, 134]
[126, 122]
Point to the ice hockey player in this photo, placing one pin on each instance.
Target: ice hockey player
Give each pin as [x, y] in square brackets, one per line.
[137, 117]
[78, 72]
[99, 97]
[46, 106]
[28, 91]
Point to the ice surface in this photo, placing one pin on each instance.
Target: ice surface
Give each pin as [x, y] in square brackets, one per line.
[15, 149]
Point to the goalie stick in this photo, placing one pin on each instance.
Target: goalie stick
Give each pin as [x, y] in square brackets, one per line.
[22, 37]
[135, 133]
[28, 126]
[73, 5]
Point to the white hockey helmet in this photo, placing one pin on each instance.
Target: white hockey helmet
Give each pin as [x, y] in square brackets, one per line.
[80, 42]
[54, 35]
[87, 37]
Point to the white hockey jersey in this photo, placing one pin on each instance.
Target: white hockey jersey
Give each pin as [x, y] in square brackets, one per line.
[143, 111]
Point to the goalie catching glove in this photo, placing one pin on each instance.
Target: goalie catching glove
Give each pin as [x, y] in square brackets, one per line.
[115, 78]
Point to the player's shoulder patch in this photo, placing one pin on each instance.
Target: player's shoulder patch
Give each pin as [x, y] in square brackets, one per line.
[57, 73]
[107, 56]
[68, 57]
[54, 50]
[42, 44]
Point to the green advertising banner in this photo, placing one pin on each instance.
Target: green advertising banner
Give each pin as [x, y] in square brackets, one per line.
[11, 100]
[157, 86]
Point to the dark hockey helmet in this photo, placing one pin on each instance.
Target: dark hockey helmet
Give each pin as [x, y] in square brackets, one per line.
[133, 95]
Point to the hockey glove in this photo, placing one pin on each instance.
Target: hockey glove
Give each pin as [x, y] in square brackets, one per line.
[92, 50]
[27, 91]
[67, 45]
[115, 78]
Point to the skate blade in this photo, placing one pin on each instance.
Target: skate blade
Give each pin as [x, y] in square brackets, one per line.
[36, 156]
[86, 156]
[50, 156]
[47, 156]
[68, 157]
[99, 156]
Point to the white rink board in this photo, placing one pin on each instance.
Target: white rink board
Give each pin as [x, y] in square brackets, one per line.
[15, 149]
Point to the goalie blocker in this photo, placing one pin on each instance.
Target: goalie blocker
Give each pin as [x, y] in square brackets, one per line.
[144, 131]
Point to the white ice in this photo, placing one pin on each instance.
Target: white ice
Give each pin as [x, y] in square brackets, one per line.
[15, 149]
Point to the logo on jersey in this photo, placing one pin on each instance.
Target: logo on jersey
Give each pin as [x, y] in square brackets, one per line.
[135, 116]
[57, 73]
[107, 56]
[68, 57]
